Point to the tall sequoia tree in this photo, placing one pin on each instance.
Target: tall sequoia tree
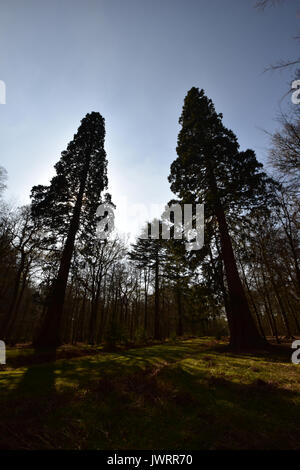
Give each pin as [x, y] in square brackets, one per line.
[210, 169]
[68, 210]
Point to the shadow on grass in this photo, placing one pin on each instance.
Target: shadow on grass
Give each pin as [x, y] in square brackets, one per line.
[148, 399]
[163, 408]
[26, 356]
[273, 353]
[30, 402]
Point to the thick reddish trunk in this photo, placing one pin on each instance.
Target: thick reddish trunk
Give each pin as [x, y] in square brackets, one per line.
[243, 331]
[244, 334]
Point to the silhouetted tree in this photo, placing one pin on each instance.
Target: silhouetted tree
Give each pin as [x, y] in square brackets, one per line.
[68, 208]
[211, 170]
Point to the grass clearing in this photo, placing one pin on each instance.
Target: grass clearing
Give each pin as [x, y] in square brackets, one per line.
[190, 394]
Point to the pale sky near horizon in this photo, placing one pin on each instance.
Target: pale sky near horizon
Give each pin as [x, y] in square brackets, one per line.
[133, 61]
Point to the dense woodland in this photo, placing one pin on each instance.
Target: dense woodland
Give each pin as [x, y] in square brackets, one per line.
[61, 283]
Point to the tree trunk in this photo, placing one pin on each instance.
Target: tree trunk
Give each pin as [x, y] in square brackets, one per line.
[94, 314]
[244, 334]
[14, 313]
[9, 318]
[268, 305]
[221, 278]
[146, 302]
[179, 306]
[257, 314]
[49, 335]
[156, 300]
[243, 331]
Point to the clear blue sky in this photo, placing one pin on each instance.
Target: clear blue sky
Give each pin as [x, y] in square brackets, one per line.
[133, 61]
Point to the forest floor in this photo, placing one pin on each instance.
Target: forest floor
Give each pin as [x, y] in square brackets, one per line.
[191, 394]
